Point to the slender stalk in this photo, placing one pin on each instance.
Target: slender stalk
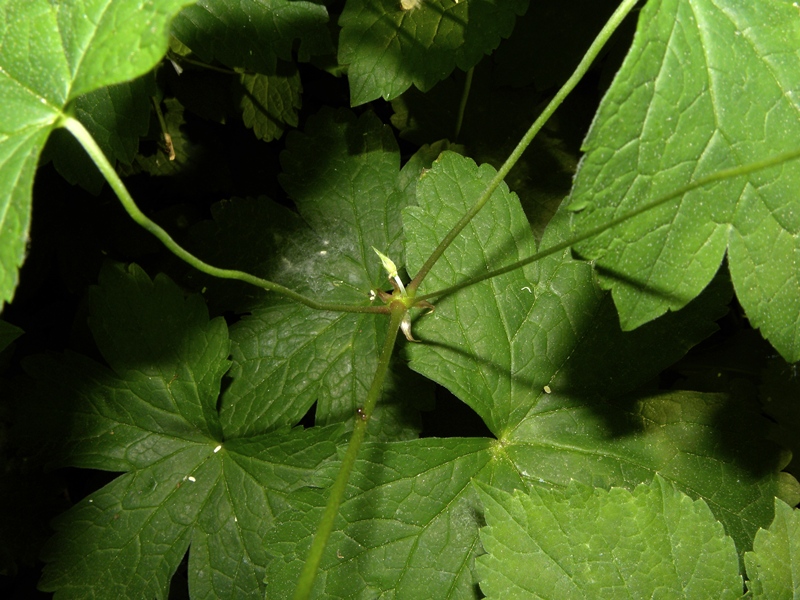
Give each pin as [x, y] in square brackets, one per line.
[306, 581]
[462, 106]
[197, 63]
[164, 130]
[718, 176]
[87, 141]
[609, 28]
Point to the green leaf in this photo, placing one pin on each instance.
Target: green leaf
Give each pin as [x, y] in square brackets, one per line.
[706, 86]
[252, 35]
[270, 102]
[152, 416]
[498, 343]
[592, 543]
[344, 175]
[773, 567]
[538, 353]
[189, 353]
[408, 527]
[409, 523]
[167, 362]
[288, 357]
[708, 445]
[127, 539]
[53, 54]
[388, 48]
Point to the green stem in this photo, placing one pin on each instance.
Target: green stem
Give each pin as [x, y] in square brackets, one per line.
[164, 130]
[197, 63]
[323, 532]
[462, 106]
[773, 161]
[87, 141]
[609, 28]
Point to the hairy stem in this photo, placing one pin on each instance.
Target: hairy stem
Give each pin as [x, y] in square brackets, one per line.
[87, 141]
[609, 28]
[773, 161]
[337, 490]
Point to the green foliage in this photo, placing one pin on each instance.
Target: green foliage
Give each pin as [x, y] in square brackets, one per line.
[188, 476]
[387, 48]
[269, 102]
[51, 55]
[771, 566]
[344, 177]
[253, 35]
[686, 104]
[223, 411]
[589, 543]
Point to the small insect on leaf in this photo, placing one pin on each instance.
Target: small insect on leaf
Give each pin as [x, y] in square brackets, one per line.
[410, 4]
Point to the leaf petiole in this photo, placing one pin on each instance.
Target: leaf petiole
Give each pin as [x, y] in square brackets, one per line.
[164, 129]
[462, 106]
[611, 25]
[772, 161]
[337, 490]
[96, 154]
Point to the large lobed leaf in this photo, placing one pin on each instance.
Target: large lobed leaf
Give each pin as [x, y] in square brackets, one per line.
[344, 175]
[707, 85]
[410, 521]
[539, 354]
[388, 48]
[497, 344]
[52, 53]
[206, 473]
[152, 415]
[223, 484]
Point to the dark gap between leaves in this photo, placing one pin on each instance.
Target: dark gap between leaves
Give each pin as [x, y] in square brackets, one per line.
[452, 418]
